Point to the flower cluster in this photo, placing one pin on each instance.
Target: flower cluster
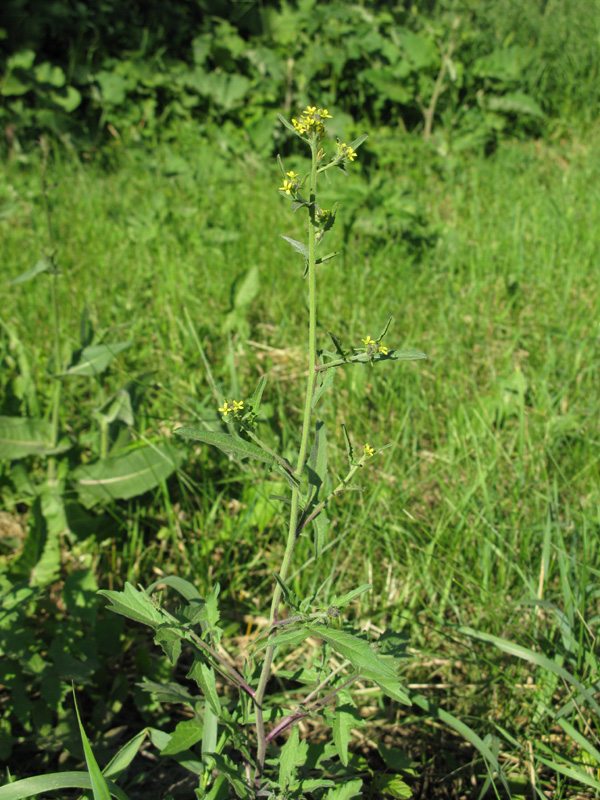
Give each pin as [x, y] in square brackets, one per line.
[345, 152]
[369, 451]
[233, 407]
[311, 121]
[289, 183]
[372, 347]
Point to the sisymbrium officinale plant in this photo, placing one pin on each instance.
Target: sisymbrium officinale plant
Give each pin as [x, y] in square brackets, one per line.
[243, 736]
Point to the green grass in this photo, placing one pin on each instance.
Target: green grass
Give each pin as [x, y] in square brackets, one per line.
[484, 515]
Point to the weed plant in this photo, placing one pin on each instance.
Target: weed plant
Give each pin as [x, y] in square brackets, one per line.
[496, 467]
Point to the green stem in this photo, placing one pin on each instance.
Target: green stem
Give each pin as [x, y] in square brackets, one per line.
[56, 394]
[310, 388]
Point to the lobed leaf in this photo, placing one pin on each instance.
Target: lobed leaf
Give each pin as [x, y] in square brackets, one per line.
[231, 445]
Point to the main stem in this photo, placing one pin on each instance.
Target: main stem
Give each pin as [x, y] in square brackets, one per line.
[310, 388]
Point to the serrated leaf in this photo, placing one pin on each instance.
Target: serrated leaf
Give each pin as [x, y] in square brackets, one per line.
[134, 604]
[291, 638]
[358, 652]
[289, 758]
[231, 445]
[298, 246]
[186, 735]
[43, 265]
[170, 641]
[345, 717]
[93, 360]
[126, 476]
[205, 678]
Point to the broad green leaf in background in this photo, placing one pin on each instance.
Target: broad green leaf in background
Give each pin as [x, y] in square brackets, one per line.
[23, 436]
[93, 360]
[129, 475]
[514, 103]
[43, 265]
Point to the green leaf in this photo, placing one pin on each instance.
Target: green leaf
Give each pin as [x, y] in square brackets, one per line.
[298, 246]
[170, 641]
[185, 588]
[24, 436]
[234, 774]
[117, 407]
[325, 259]
[395, 759]
[257, 396]
[290, 757]
[361, 655]
[125, 755]
[231, 445]
[291, 638]
[287, 124]
[345, 791]
[97, 780]
[134, 604]
[186, 735]
[323, 384]
[345, 717]
[393, 785]
[129, 475]
[395, 355]
[28, 787]
[205, 678]
[340, 602]
[514, 103]
[43, 265]
[47, 567]
[357, 142]
[93, 360]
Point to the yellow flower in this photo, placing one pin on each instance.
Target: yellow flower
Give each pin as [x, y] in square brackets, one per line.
[226, 408]
[238, 405]
[311, 120]
[369, 451]
[368, 341]
[347, 152]
[289, 183]
[382, 349]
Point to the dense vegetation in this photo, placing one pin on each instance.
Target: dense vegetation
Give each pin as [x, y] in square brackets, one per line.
[146, 231]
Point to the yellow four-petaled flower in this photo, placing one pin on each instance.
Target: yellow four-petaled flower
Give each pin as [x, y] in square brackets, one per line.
[231, 407]
[369, 451]
[289, 182]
